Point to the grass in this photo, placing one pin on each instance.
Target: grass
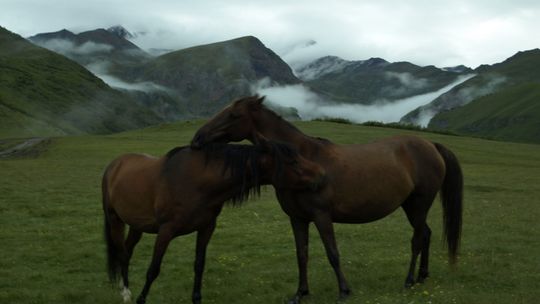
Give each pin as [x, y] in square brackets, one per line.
[53, 251]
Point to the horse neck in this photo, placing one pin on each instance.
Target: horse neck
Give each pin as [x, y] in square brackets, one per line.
[275, 128]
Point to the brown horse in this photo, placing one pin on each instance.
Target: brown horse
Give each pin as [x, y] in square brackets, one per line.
[364, 183]
[184, 191]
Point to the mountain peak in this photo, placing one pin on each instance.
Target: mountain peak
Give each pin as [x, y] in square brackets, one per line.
[62, 35]
[458, 69]
[121, 32]
[322, 66]
[246, 39]
[375, 62]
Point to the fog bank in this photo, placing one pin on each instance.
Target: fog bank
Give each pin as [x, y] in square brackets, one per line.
[311, 106]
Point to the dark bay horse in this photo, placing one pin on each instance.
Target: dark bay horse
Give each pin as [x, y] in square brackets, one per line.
[184, 191]
[365, 182]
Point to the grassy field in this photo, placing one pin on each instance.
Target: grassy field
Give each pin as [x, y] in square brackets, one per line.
[52, 248]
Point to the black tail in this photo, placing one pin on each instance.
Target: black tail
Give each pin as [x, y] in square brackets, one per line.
[452, 201]
[113, 263]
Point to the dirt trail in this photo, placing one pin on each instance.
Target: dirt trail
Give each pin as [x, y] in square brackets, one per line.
[31, 147]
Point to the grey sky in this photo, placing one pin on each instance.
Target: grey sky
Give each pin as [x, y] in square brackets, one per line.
[442, 33]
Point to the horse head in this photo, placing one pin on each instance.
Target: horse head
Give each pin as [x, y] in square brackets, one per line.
[234, 123]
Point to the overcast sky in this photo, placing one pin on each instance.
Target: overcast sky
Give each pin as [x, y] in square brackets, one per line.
[443, 33]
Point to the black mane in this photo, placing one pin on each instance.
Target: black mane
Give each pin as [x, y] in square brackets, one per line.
[242, 163]
[173, 151]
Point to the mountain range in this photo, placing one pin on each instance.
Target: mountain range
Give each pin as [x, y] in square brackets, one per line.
[502, 101]
[374, 80]
[198, 81]
[207, 77]
[43, 93]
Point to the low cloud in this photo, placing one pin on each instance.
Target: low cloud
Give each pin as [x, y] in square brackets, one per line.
[457, 98]
[408, 80]
[407, 83]
[66, 47]
[424, 117]
[99, 69]
[321, 67]
[468, 94]
[311, 106]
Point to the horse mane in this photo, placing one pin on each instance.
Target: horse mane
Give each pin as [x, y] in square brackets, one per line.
[242, 162]
[173, 151]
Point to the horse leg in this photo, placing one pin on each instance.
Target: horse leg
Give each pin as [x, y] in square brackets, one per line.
[164, 237]
[203, 237]
[416, 214]
[117, 256]
[301, 238]
[133, 238]
[326, 231]
[423, 272]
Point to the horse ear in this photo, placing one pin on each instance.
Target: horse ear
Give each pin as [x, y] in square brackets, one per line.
[255, 105]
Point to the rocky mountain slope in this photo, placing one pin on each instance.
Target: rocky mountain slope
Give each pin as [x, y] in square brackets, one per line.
[374, 80]
[209, 76]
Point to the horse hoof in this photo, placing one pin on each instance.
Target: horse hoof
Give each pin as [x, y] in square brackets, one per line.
[141, 300]
[196, 299]
[409, 283]
[294, 300]
[422, 277]
[298, 297]
[344, 294]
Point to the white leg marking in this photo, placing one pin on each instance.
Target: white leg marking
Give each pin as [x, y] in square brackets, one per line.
[126, 295]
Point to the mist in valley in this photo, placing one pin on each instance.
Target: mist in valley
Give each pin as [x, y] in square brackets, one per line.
[311, 106]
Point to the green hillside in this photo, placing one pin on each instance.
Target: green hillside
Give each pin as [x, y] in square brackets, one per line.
[518, 70]
[511, 114]
[208, 76]
[43, 93]
[51, 227]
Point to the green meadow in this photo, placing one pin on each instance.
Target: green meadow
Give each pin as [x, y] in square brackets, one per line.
[52, 248]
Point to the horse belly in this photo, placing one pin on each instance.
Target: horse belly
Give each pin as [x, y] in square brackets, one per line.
[141, 219]
[362, 204]
[364, 212]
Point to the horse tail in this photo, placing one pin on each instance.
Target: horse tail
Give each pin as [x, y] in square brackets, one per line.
[452, 201]
[113, 262]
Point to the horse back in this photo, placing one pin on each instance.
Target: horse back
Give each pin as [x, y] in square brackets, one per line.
[369, 181]
[418, 157]
[426, 165]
